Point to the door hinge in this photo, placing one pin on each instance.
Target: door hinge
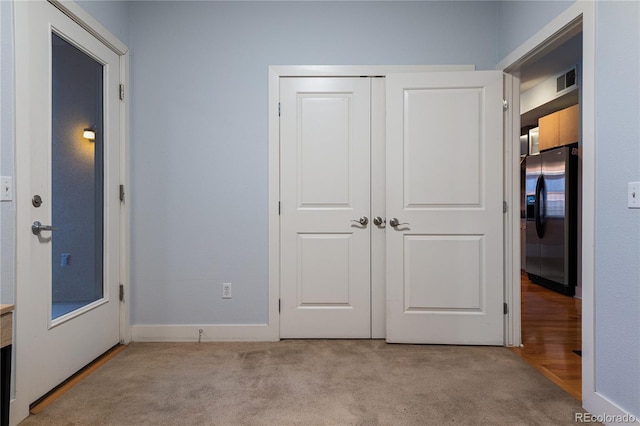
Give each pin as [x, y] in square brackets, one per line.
[278, 109]
[121, 292]
[505, 207]
[122, 92]
[505, 308]
[278, 208]
[279, 304]
[122, 193]
[505, 105]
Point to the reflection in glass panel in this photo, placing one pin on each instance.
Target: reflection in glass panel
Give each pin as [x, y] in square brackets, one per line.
[76, 178]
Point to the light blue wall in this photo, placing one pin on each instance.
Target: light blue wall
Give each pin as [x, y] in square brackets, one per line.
[7, 147]
[617, 234]
[617, 227]
[519, 20]
[199, 130]
[113, 15]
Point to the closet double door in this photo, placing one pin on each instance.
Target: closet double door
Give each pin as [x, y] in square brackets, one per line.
[391, 208]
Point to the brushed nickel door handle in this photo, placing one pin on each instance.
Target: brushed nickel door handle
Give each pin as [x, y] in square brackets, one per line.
[395, 222]
[37, 227]
[362, 221]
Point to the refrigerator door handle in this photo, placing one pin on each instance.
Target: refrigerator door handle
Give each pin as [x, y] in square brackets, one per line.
[540, 207]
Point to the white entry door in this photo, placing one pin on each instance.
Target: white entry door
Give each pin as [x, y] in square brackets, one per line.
[67, 150]
[325, 208]
[444, 193]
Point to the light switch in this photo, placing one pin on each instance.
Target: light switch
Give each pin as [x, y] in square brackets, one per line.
[633, 197]
[6, 188]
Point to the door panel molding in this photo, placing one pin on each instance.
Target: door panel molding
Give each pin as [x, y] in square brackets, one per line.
[580, 16]
[424, 255]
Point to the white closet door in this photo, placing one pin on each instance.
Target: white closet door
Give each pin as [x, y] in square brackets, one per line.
[325, 189]
[444, 187]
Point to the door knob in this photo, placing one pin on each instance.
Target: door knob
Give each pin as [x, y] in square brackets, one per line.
[37, 227]
[362, 221]
[378, 221]
[395, 222]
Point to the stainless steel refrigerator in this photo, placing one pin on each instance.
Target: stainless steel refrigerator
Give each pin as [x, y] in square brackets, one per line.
[551, 184]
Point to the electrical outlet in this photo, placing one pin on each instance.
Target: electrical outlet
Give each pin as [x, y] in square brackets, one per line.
[226, 290]
[633, 197]
[6, 188]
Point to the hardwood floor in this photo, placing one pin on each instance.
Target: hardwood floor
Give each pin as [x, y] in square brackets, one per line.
[551, 331]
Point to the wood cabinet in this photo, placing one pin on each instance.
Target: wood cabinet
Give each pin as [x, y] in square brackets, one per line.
[569, 128]
[548, 131]
[560, 128]
[6, 324]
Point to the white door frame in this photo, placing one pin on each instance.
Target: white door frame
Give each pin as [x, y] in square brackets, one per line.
[20, 405]
[582, 12]
[275, 73]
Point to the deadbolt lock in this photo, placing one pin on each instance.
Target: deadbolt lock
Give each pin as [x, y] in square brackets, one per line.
[36, 201]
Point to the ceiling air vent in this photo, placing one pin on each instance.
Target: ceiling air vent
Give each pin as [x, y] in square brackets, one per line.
[566, 80]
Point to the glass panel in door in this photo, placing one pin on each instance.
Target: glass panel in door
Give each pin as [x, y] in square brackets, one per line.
[77, 171]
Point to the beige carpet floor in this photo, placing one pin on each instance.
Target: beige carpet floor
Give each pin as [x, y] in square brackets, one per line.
[312, 382]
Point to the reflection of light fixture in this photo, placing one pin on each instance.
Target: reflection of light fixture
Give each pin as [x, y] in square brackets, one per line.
[89, 134]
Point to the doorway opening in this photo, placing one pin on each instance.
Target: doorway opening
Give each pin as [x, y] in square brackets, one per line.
[551, 150]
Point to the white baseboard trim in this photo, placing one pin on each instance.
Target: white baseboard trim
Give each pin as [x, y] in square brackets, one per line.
[210, 333]
[606, 411]
[17, 412]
